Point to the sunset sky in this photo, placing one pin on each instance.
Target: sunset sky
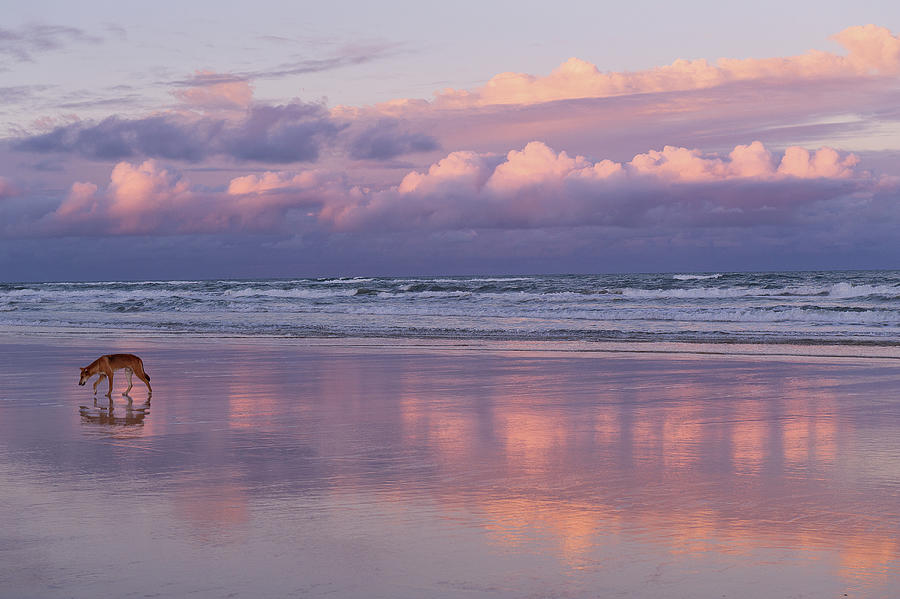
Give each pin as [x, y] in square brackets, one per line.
[197, 140]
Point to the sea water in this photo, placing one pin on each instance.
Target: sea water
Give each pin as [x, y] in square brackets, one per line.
[861, 307]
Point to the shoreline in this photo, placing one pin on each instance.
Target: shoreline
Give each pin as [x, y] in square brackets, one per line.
[852, 350]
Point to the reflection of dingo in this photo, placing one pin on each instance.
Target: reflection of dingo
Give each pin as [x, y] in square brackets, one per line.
[106, 365]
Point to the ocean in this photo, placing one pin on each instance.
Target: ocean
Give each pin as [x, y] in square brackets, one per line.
[859, 307]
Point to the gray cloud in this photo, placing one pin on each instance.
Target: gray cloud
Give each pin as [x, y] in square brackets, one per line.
[23, 43]
[279, 134]
[20, 93]
[92, 100]
[276, 134]
[385, 139]
[348, 55]
[632, 205]
[206, 79]
[114, 139]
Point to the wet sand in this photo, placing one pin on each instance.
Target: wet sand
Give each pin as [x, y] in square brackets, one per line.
[275, 468]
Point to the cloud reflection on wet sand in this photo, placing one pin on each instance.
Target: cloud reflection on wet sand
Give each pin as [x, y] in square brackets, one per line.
[692, 469]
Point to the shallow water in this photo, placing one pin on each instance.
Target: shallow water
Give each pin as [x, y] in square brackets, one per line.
[270, 468]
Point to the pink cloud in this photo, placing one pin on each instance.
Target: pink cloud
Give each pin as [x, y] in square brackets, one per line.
[139, 199]
[538, 164]
[264, 201]
[783, 101]
[273, 181]
[537, 186]
[465, 171]
[871, 51]
[7, 189]
[750, 161]
[81, 202]
[149, 198]
[212, 91]
[533, 187]
[825, 162]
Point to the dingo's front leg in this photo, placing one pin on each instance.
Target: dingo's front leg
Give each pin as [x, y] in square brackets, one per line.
[97, 382]
[109, 377]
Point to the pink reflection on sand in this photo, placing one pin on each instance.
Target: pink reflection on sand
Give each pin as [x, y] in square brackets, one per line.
[564, 456]
[669, 489]
[211, 504]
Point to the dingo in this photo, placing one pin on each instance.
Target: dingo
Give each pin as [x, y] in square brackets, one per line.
[106, 365]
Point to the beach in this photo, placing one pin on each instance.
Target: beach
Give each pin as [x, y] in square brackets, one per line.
[269, 467]
[469, 300]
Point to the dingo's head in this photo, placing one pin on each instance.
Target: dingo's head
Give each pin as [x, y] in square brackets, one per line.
[85, 375]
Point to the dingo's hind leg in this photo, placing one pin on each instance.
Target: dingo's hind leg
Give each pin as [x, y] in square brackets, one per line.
[129, 372]
[145, 378]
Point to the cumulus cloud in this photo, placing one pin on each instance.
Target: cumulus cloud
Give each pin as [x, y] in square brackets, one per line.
[533, 187]
[139, 198]
[462, 172]
[745, 161]
[149, 198]
[826, 162]
[537, 186]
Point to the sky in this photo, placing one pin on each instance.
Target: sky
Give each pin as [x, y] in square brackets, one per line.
[196, 140]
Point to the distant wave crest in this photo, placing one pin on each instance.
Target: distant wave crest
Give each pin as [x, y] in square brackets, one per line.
[695, 277]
